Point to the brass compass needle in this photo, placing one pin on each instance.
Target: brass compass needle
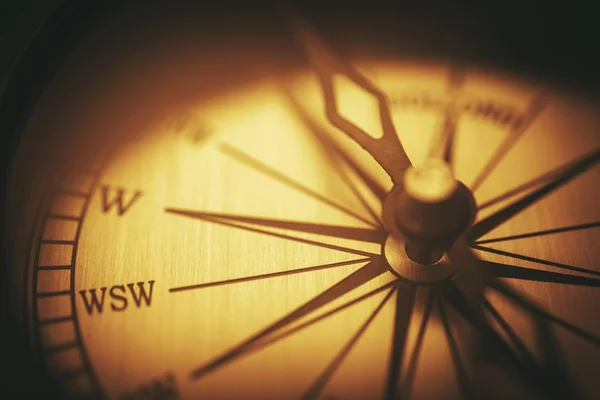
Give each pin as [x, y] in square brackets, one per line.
[443, 144]
[386, 150]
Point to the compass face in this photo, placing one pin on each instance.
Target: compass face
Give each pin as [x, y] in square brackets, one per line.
[212, 230]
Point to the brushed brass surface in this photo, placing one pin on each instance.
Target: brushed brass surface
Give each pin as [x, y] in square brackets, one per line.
[239, 185]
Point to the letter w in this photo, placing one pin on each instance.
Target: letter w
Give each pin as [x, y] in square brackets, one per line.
[93, 302]
[117, 200]
[142, 295]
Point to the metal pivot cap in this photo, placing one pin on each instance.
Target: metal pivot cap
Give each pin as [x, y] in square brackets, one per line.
[433, 210]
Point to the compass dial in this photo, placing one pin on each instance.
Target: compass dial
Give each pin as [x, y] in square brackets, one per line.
[343, 228]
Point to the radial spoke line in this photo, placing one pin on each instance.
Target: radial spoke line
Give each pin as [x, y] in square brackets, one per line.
[405, 299]
[408, 382]
[536, 260]
[471, 313]
[346, 285]
[493, 221]
[561, 384]
[450, 122]
[342, 232]
[493, 344]
[540, 180]
[536, 106]
[541, 233]
[521, 348]
[223, 221]
[344, 176]
[472, 281]
[443, 147]
[369, 181]
[331, 148]
[487, 342]
[320, 383]
[467, 307]
[528, 371]
[270, 340]
[536, 275]
[534, 309]
[327, 314]
[267, 276]
[461, 372]
[551, 354]
[273, 173]
[549, 378]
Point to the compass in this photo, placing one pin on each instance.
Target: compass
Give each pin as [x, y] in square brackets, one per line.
[281, 202]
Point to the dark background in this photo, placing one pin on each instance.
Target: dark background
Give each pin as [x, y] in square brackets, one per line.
[556, 41]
